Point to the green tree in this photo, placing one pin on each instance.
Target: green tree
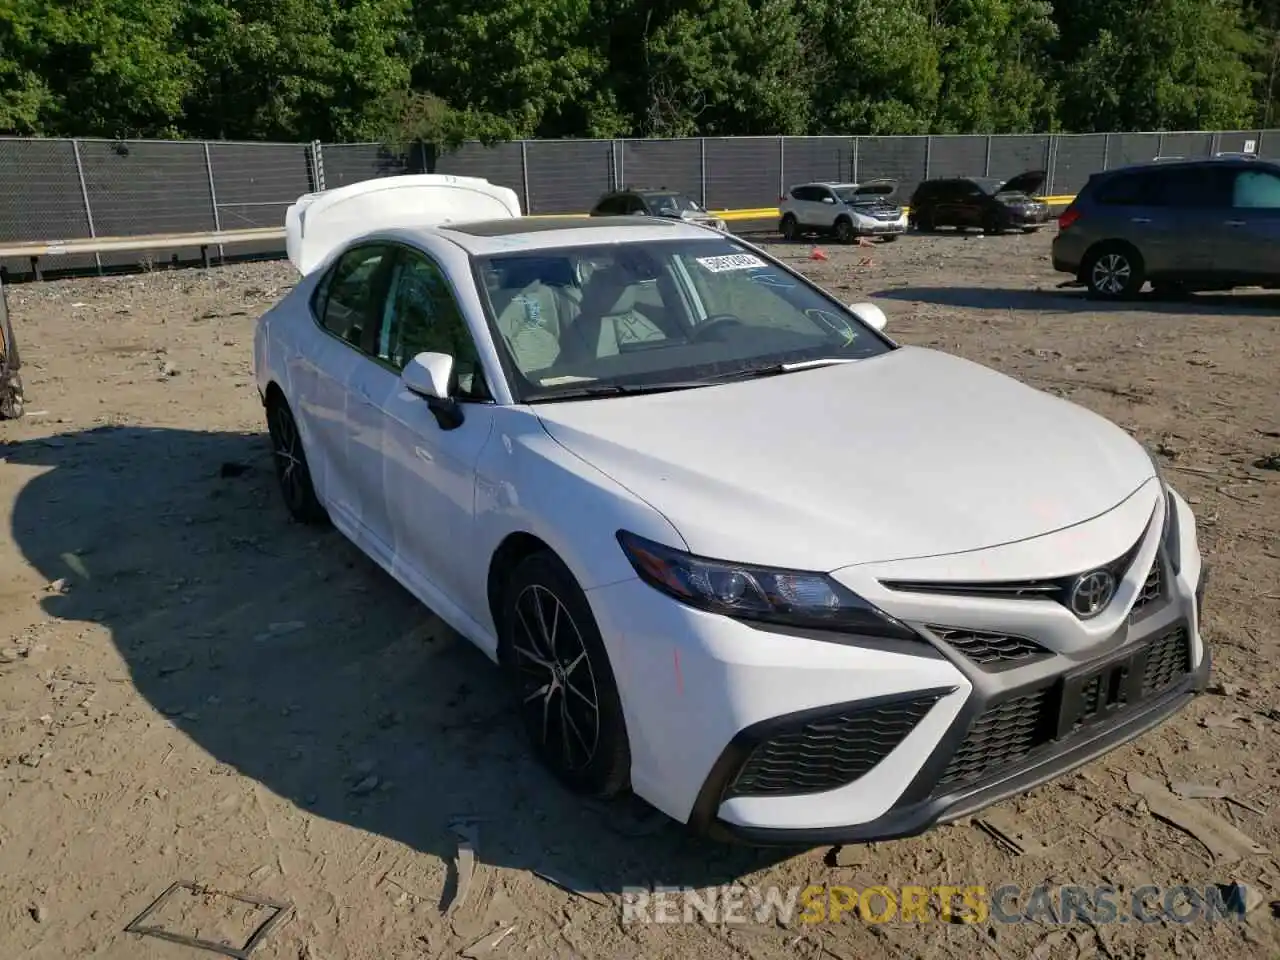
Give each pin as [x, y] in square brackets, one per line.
[1169, 64]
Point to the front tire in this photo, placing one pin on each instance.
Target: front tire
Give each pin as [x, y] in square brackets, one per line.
[844, 230]
[292, 470]
[566, 692]
[1114, 272]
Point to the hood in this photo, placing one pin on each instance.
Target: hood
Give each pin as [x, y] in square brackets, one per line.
[875, 190]
[1028, 183]
[914, 453]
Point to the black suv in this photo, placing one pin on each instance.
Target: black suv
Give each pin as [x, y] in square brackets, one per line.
[1185, 226]
[988, 203]
[655, 202]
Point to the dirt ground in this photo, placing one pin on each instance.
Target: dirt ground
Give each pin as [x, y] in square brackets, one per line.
[192, 688]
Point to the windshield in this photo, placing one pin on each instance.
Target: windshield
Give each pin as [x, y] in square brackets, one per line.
[647, 313]
[670, 204]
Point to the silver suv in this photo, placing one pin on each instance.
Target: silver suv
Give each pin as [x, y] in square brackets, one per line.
[1184, 226]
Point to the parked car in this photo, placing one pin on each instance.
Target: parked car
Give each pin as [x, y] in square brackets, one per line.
[846, 210]
[988, 203]
[660, 202]
[1207, 224]
[676, 490]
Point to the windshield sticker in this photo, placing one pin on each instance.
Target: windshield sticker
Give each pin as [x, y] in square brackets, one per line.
[773, 280]
[733, 261]
[561, 381]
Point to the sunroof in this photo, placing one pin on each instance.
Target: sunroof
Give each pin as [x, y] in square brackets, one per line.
[515, 225]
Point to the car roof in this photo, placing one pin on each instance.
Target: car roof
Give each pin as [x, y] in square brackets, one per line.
[514, 234]
[1170, 163]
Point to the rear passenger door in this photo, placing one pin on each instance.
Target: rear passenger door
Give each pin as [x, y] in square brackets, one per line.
[1194, 234]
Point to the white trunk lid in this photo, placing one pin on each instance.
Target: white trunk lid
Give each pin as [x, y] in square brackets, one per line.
[319, 223]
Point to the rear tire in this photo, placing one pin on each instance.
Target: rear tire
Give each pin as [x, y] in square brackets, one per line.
[1113, 271]
[565, 689]
[789, 228]
[292, 470]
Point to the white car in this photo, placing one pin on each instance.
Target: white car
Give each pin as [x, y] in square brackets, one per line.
[787, 580]
[845, 210]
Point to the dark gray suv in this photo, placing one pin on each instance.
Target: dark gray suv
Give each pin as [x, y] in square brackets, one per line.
[1184, 226]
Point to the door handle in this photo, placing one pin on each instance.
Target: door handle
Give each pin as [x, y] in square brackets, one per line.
[1234, 223]
[1139, 219]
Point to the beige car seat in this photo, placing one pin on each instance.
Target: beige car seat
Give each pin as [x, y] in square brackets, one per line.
[608, 316]
[532, 323]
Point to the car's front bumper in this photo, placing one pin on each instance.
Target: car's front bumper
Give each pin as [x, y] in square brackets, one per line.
[872, 227]
[712, 704]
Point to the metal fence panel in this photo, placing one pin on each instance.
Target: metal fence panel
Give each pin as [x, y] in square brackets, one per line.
[141, 187]
[1129, 148]
[40, 197]
[743, 173]
[500, 164]
[959, 156]
[568, 176]
[667, 164]
[1235, 141]
[901, 158]
[346, 163]
[806, 159]
[1193, 146]
[1076, 158]
[1018, 153]
[254, 183]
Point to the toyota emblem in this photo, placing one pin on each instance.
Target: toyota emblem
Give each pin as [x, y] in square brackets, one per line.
[1091, 593]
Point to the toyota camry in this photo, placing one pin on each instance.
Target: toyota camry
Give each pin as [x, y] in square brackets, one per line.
[737, 550]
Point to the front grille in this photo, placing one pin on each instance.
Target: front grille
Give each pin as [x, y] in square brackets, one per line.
[829, 752]
[1168, 660]
[1003, 735]
[1152, 587]
[1007, 732]
[986, 649]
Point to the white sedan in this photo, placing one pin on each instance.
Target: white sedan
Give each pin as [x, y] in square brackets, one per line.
[741, 553]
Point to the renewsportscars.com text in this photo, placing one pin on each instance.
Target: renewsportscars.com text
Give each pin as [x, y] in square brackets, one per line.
[974, 903]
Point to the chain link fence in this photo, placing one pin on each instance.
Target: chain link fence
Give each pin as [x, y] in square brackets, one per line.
[53, 190]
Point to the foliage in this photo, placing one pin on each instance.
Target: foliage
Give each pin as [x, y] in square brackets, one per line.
[445, 71]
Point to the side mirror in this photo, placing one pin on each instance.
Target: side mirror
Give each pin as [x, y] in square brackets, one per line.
[428, 375]
[869, 314]
[830, 200]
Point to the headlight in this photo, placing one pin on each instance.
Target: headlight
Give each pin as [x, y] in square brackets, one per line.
[746, 592]
[1169, 536]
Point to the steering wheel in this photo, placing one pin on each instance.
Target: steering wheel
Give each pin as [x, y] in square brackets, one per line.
[717, 321]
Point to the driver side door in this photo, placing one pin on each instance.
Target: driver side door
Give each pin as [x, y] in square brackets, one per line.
[430, 468]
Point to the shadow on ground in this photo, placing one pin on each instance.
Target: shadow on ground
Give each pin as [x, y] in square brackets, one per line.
[1076, 301]
[287, 655]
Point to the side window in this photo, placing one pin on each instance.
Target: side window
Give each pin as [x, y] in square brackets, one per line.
[1195, 187]
[1126, 190]
[807, 194]
[422, 316]
[1256, 190]
[635, 205]
[825, 195]
[349, 298]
